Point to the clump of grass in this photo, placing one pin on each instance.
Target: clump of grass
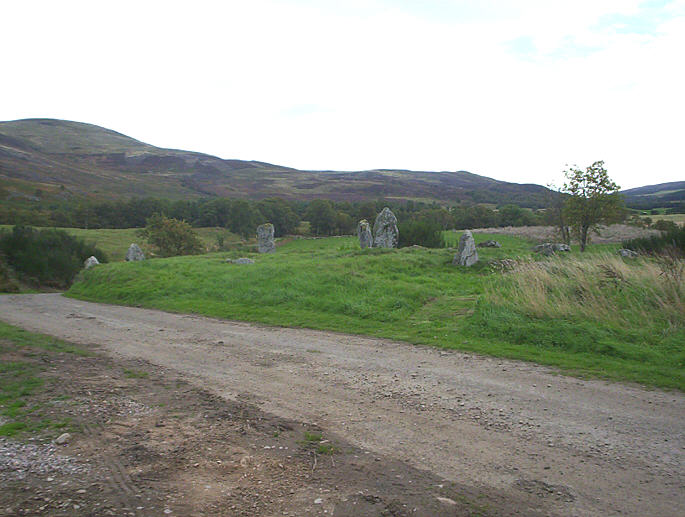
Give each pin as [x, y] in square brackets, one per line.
[600, 288]
[135, 374]
[622, 319]
[326, 449]
[312, 437]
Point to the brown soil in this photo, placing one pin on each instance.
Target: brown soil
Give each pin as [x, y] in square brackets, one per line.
[515, 438]
[146, 442]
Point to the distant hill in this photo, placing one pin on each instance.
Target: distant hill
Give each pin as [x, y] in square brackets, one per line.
[653, 196]
[63, 158]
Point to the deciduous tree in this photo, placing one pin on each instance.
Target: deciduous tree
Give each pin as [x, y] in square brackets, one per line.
[593, 200]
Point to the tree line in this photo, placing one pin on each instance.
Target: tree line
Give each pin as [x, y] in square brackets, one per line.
[242, 216]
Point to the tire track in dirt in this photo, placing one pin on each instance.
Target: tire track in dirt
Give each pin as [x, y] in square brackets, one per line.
[122, 488]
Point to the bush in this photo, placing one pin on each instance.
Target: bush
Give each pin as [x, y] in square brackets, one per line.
[46, 257]
[665, 226]
[171, 237]
[422, 233]
[673, 239]
[7, 283]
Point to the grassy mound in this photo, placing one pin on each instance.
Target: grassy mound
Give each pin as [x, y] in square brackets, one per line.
[619, 327]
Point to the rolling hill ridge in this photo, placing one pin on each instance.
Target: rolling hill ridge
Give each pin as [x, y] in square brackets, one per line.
[83, 160]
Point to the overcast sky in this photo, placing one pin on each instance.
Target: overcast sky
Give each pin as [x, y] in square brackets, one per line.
[511, 89]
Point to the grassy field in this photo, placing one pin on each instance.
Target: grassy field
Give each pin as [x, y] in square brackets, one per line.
[416, 295]
[115, 242]
[20, 381]
[676, 218]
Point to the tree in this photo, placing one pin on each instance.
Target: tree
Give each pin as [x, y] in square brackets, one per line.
[244, 218]
[321, 217]
[171, 237]
[593, 200]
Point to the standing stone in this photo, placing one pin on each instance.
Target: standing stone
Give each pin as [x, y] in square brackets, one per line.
[385, 232]
[364, 234]
[467, 255]
[134, 253]
[90, 262]
[265, 238]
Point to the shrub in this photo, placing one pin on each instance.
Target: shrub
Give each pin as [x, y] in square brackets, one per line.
[46, 257]
[673, 239]
[422, 233]
[171, 237]
[665, 226]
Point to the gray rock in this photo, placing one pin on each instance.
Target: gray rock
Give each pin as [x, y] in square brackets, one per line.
[134, 253]
[364, 234]
[489, 244]
[626, 253]
[265, 238]
[549, 248]
[241, 260]
[385, 232]
[90, 262]
[63, 439]
[467, 255]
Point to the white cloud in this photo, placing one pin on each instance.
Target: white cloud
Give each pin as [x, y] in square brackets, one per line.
[422, 85]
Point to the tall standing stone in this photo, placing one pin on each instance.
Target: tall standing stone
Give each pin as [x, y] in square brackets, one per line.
[467, 255]
[265, 238]
[364, 234]
[385, 232]
[134, 253]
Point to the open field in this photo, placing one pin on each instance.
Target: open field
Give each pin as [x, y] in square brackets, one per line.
[386, 428]
[115, 242]
[416, 295]
[613, 234]
[676, 218]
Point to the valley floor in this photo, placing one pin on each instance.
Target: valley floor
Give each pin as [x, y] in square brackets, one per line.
[491, 436]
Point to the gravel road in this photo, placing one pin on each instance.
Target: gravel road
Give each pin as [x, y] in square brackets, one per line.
[571, 446]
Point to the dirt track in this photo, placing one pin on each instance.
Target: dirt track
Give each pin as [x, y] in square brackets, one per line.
[555, 444]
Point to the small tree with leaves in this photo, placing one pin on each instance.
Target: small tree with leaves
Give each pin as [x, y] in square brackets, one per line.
[593, 199]
[171, 237]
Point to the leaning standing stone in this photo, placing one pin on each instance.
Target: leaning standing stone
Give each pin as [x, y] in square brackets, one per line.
[364, 233]
[467, 255]
[385, 232]
[134, 253]
[265, 238]
[90, 262]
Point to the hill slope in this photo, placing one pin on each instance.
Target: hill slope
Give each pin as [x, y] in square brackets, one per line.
[73, 158]
[652, 196]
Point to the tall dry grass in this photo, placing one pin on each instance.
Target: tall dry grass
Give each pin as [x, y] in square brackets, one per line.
[602, 288]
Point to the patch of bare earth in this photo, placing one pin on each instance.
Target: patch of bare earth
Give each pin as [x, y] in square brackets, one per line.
[145, 442]
[612, 234]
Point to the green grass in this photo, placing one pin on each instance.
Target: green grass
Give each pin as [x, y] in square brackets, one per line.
[135, 374]
[20, 380]
[414, 295]
[115, 243]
